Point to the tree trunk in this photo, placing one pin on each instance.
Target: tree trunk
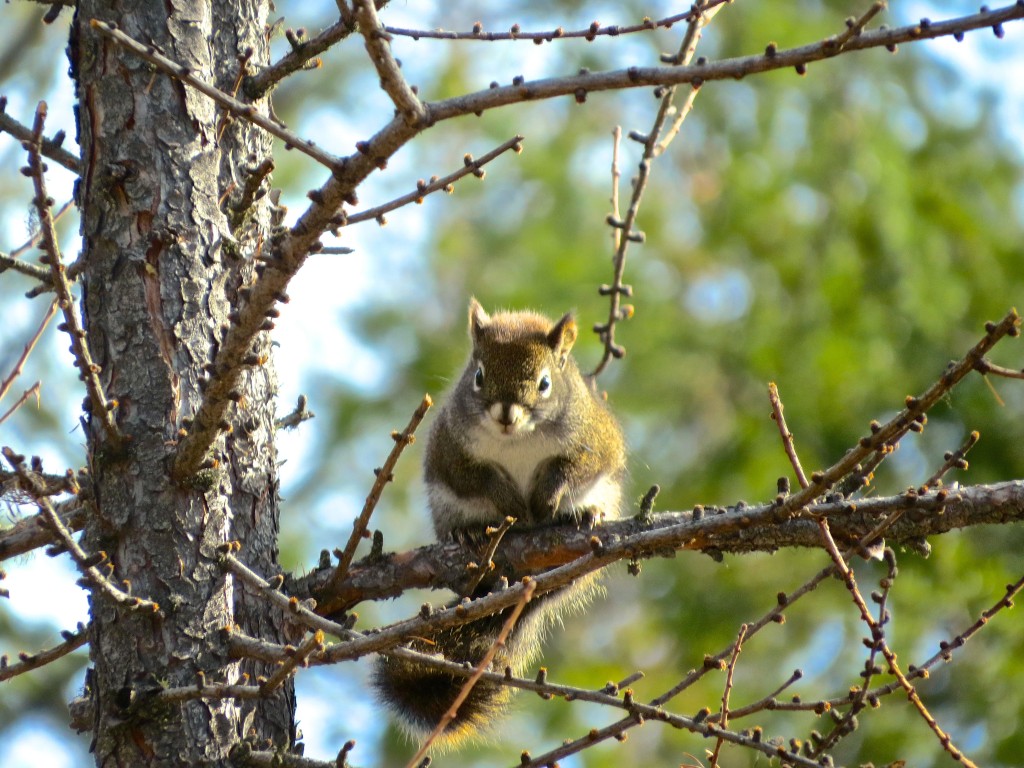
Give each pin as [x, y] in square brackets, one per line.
[165, 254]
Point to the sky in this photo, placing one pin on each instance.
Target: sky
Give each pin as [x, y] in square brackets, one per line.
[42, 590]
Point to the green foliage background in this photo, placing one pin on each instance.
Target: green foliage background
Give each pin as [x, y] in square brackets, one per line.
[844, 234]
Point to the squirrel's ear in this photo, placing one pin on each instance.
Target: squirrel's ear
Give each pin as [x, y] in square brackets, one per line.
[562, 337]
[478, 319]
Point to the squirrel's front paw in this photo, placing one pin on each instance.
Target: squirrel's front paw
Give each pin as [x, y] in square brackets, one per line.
[544, 509]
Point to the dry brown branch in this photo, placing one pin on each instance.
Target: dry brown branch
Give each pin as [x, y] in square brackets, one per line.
[725, 69]
[616, 176]
[470, 165]
[19, 364]
[859, 698]
[28, 393]
[378, 46]
[313, 643]
[238, 108]
[703, 724]
[384, 475]
[303, 53]
[102, 408]
[486, 564]
[50, 148]
[483, 666]
[87, 564]
[28, 662]
[951, 460]
[748, 529]
[787, 436]
[31, 532]
[878, 637]
[724, 714]
[912, 417]
[616, 730]
[626, 234]
[296, 417]
[854, 27]
[29, 270]
[997, 370]
[40, 274]
[589, 34]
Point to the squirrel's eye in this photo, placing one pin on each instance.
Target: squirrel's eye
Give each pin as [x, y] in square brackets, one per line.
[478, 379]
[544, 384]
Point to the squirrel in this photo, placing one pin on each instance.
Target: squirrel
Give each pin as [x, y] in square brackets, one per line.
[521, 434]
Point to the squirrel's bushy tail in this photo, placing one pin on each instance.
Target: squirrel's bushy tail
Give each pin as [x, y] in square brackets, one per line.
[420, 695]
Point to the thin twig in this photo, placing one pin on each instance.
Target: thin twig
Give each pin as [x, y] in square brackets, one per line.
[724, 69]
[384, 475]
[33, 241]
[915, 671]
[615, 291]
[303, 54]
[31, 532]
[41, 274]
[951, 460]
[102, 409]
[296, 417]
[471, 165]
[997, 370]
[483, 666]
[486, 564]
[87, 564]
[912, 415]
[314, 643]
[19, 364]
[23, 267]
[248, 111]
[859, 694]
[33, 390]
[772, 616]
[855, 27]
[878, 638]
[616, 178]
[391, 80]
[768, 701]
[787, 436]
[49, 147]
[724, 715]
[27, 662]
[592, 32]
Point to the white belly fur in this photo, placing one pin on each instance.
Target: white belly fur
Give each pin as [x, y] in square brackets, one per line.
[520, 456]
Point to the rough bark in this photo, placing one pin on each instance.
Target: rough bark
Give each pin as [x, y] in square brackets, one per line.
[164, 259]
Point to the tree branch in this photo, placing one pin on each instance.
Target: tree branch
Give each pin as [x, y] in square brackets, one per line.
[87, 564]
[700, 15]
[30, 661]
[378, 46]
[290, 250]
[231, 104]
[303, 54]
[470, 165]
[384, 475]
[589, 34]
[733, 531]
[51, 148]
[725, 69]
[32, 533]
[102, 409]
